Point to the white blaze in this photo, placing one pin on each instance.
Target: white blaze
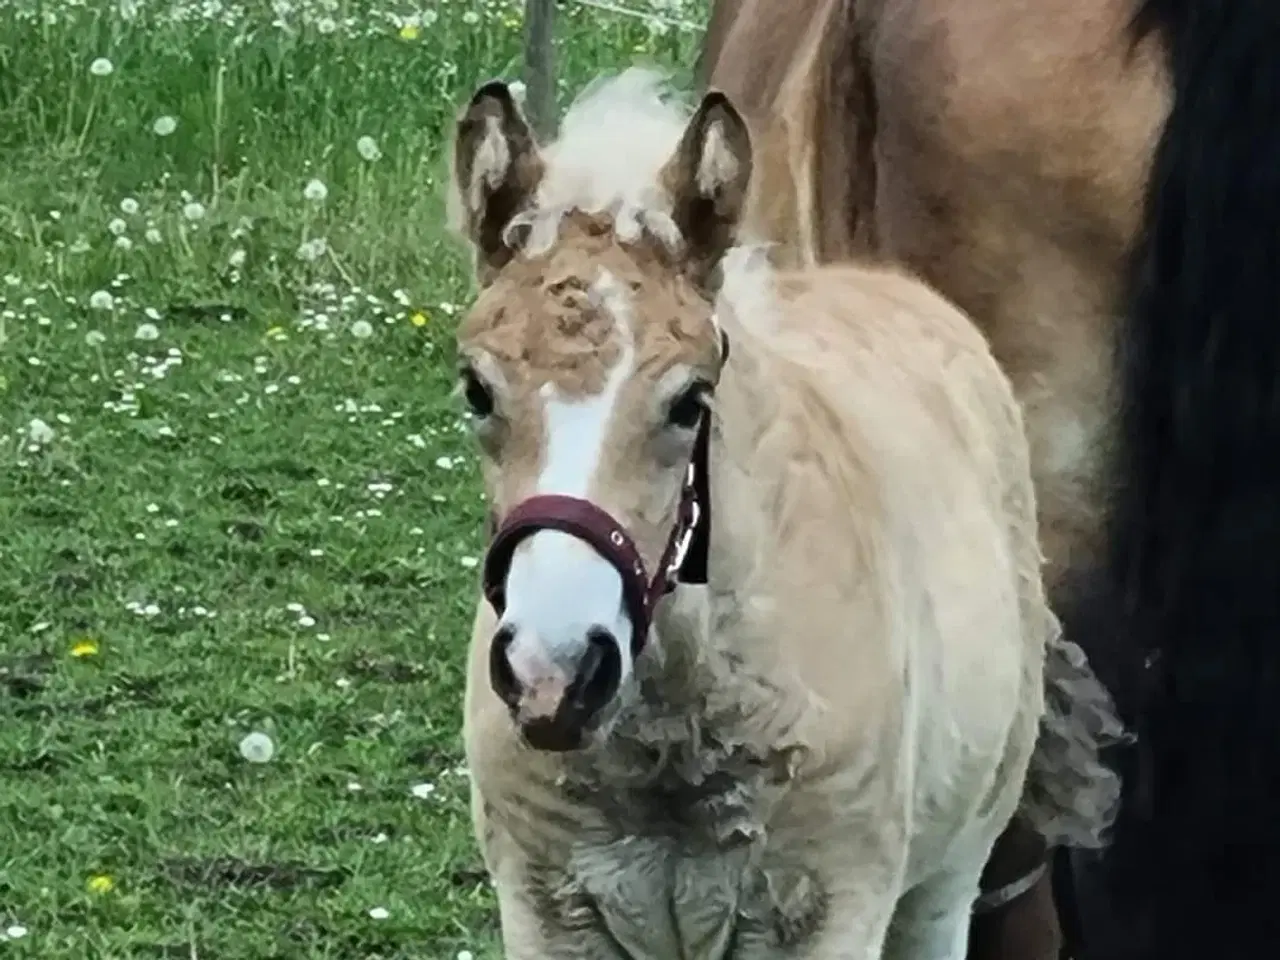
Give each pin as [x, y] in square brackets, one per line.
[559, 587]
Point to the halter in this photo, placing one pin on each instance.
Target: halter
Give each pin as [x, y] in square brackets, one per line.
[683, 560]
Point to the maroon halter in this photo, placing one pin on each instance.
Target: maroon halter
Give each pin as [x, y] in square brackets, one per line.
[683, 560]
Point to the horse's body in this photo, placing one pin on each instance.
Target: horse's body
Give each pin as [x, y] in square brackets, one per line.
[817, 755]
[1082, 175]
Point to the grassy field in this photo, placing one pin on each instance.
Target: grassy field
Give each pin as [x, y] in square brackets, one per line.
[240, 518]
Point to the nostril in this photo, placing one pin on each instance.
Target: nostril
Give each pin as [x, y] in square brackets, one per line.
[600, 672]
[501, 677]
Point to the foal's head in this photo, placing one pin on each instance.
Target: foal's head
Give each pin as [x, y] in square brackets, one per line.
[588, 363]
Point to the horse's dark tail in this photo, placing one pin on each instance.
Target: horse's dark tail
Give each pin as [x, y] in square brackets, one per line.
[1195, 524]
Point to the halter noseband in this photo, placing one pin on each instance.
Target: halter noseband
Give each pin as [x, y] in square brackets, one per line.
[684, 559]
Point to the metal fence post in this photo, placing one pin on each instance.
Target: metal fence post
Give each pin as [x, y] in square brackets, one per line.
[540, 65]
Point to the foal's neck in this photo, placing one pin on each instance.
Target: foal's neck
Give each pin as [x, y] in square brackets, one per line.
[706, 634]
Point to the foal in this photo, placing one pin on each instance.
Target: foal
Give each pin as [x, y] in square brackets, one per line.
[758, 671]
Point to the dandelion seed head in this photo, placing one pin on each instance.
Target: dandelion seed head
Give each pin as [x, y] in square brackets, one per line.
[102, 67]
[257, 747]
[39, 432]
[313, 249]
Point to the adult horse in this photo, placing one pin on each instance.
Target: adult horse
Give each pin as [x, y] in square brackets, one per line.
[1097, 183]
[809, 750]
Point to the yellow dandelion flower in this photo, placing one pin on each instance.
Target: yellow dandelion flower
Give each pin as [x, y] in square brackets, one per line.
[277, 333]
[409, 32]
[85, 647]
[101, 883]
[418, 319]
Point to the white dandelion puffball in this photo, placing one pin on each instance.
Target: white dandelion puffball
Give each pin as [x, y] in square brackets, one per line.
[102, 67]
[163, 126]
[153, 235]
[237, 258]
[313, 249]
[315, 191]
[257, 748]
[101, 300]
[362, 330]
[146, 331]
[368, 148]
[124, 244]
[39, 432]
[117, 227]
[95, 338]
[379, 913]
[129, 207]
[193, 211]
[15, 931]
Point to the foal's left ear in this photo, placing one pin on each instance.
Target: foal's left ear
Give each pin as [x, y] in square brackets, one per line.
[707, 181]
[497, 168]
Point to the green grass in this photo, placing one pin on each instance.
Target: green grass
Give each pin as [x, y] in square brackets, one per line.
[234, 479]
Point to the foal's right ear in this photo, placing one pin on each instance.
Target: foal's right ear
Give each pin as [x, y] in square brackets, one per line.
[497, 168]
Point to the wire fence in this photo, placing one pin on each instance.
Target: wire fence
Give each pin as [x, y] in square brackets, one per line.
[649, 16]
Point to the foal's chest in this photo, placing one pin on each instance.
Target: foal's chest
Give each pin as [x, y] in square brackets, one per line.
[678, 877]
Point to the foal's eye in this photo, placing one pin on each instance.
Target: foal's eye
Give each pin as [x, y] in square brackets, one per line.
[687, 408]
[477, 395]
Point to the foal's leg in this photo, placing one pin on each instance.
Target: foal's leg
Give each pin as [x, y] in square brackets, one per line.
[932, 919]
